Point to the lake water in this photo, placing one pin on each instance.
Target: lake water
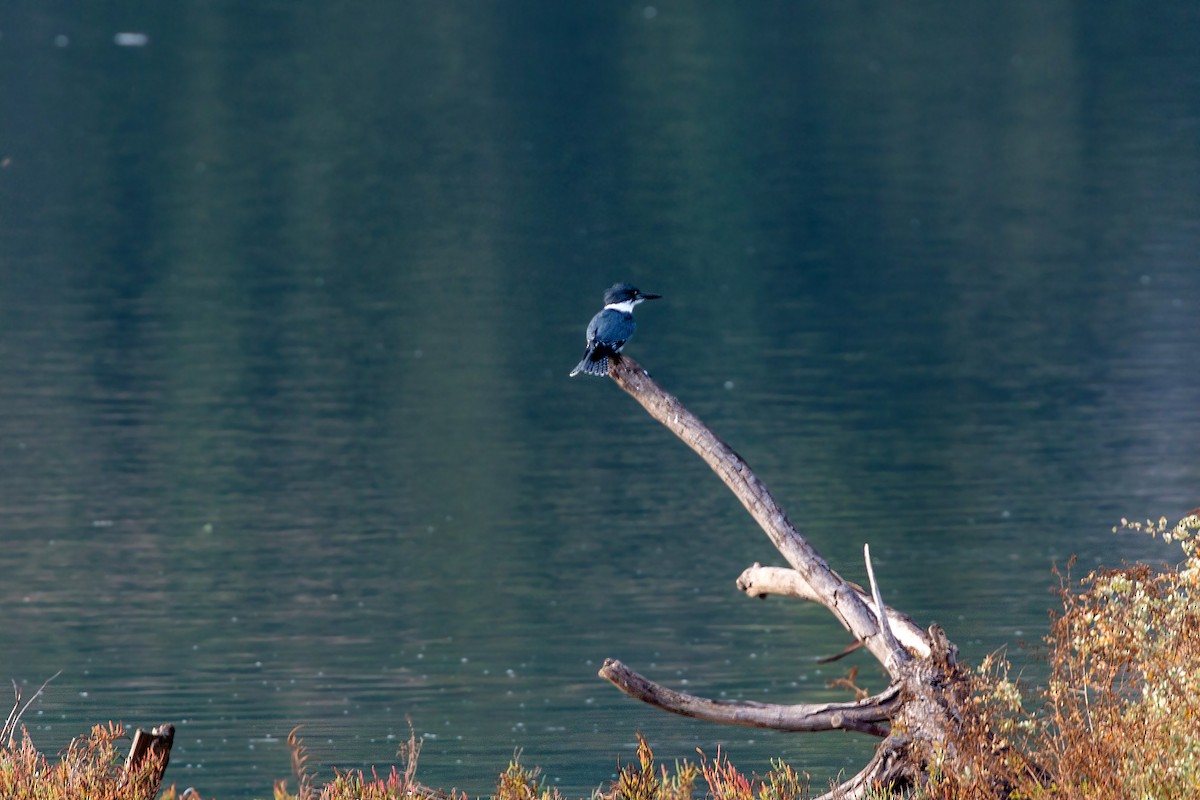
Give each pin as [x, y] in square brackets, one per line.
[289, 294]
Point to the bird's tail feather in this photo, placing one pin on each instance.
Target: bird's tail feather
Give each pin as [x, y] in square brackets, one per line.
[598, 366]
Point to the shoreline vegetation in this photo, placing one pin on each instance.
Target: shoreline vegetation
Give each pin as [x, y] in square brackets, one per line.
[1118, 718]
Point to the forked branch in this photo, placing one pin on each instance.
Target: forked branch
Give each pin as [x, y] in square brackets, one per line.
[842, 599]
[759, 581]
[920, 663]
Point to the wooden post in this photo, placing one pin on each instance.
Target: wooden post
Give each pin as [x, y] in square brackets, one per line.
[155, 745]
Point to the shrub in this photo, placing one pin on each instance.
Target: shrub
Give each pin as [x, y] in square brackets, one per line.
[1119, 718]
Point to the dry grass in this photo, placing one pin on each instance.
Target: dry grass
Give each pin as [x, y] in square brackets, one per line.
[643, 780]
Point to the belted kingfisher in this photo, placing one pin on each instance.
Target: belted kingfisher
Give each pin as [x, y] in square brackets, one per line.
[611, 328]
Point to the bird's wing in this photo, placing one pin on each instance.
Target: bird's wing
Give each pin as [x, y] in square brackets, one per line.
[592, 327]
[613, 330]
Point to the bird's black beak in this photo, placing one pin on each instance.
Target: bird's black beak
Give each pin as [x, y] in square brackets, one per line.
[644, 296]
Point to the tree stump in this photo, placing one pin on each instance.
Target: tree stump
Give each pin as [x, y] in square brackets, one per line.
[155, 746]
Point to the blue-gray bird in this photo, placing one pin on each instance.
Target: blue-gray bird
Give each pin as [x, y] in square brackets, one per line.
[611, 328]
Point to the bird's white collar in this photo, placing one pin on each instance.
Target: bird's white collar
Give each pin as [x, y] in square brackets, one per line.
[625, 306]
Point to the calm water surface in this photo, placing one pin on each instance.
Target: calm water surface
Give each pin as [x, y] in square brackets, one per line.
[288, 297]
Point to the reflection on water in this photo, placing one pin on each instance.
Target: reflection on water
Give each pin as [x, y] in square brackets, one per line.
[289, 298]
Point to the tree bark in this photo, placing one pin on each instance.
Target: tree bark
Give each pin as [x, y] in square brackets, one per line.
[863, 716]
[914, 715]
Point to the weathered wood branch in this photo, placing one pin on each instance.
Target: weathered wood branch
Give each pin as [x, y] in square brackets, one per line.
[894, 650]
[836, 594]
[926, 691]
[888, 767]
[863, 716]
[759, 581]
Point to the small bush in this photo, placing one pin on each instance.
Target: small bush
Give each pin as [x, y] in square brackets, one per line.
[1123, 701]
[1119, 718]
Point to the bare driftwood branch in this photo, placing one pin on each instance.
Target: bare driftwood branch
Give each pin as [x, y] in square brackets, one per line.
[836, 594]
[864, 716]
[886, 768]
[916, 715]
[895, 651]
[759, 581]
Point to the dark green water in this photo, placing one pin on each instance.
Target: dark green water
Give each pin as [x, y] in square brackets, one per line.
[288, 298]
